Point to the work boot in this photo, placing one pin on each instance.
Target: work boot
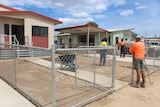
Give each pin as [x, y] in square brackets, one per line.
[137, 85]
[143, 84]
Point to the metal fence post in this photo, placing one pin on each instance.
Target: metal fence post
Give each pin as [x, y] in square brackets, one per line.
[113, 68]
[14, 56]
[94, 68]
[132, 79]
[154, 59]
[53, 77]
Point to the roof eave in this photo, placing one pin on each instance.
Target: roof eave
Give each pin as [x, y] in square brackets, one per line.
[86, 25]
[114, 30]
[30, 13]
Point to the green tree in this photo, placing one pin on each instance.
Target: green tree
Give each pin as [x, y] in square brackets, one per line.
[93, 24]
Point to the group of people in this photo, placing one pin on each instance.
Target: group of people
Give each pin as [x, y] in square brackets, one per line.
[138, 51]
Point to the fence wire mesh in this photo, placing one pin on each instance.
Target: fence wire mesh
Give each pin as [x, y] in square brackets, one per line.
[153, 59]
[79, 77]
[30, 71]
[25, 68]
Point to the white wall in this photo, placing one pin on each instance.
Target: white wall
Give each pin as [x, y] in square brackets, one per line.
[10, 21]
[30, 21]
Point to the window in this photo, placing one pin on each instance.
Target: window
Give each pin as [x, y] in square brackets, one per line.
[6, 29]
[39, 31]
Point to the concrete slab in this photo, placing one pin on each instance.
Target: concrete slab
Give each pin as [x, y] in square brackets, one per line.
[84, 75]
[11, 98]
[100, 79]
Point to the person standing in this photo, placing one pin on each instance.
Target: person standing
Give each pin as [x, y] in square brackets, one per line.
[138, 51]
[103, 52]
[122, 48]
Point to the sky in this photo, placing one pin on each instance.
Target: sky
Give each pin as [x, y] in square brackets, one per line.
[143, 15]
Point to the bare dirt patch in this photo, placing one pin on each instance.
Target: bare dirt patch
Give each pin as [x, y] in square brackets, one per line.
[36, 80]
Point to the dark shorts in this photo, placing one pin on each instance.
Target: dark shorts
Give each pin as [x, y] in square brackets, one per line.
[139, 64]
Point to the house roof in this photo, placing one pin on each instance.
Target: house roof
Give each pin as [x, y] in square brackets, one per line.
[122, 29]
[11, 11]
[8, 8]
[81, 29]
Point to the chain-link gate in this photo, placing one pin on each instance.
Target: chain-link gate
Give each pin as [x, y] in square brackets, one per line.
[85, 79]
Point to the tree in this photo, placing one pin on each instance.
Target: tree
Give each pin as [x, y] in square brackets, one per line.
[93, 24]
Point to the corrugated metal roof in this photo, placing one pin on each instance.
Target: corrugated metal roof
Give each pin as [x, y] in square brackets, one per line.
[121, 29]
[81, 29]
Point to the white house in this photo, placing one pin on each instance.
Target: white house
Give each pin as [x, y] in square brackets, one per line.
[30, 28]
[115, 35]
[88, 35]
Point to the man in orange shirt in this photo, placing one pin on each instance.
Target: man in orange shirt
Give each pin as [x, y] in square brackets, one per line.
[122, 48]
[138, 50]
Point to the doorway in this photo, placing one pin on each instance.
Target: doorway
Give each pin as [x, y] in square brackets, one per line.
[18, 31]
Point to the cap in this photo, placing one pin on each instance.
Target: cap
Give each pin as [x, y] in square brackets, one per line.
[138, 36]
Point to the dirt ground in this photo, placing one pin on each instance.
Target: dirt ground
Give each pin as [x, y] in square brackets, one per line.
[133, 97]
[37, 77]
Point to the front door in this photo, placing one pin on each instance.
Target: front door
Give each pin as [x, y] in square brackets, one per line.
[18, 31]
[70, 42]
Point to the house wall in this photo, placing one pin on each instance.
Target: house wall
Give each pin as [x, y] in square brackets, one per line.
[28, 21]
[126, 35]
[10, 21]
[65, 39]
[35, 21]
[74, 39]
[98, 37]
[40, 41]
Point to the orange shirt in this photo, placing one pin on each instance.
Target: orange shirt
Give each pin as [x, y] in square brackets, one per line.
[121, 43]
[138, 48]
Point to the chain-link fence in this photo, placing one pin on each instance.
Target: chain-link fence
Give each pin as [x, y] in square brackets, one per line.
[21, 67]
[64, 77]
[57, 77]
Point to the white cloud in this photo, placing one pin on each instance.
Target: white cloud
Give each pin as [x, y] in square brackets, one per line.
[36, 3]
[75, 21]
[100, 16]
[119, 2]
[141, 7]
[126, 12]
[59, 5]
[78, 13]
[19, 8]
[137, 3]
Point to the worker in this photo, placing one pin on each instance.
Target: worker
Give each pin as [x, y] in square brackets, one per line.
[138, 51]
[122, 48]
[103, 52]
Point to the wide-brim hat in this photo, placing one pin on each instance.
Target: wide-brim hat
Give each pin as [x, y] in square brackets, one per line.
[138, 36]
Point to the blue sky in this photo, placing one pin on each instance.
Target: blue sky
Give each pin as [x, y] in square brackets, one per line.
[143, 15]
